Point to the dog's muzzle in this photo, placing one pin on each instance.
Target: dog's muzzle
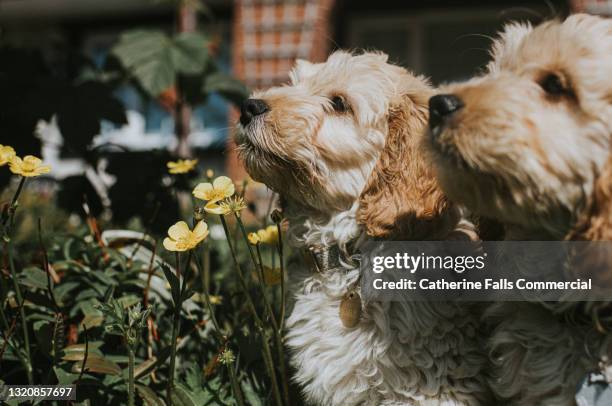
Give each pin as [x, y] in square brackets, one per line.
[441, 108]
[252, 108]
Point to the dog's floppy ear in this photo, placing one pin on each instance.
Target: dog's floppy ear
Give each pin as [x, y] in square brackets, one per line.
[596, 225]
[402, 199]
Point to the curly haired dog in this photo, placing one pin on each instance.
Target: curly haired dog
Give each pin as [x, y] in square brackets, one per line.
[528, 143]
[340, 144]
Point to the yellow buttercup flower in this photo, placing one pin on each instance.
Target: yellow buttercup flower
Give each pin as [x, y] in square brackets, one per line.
[181, 238]
[182, 166]
[236, 204]
[6, 154]
[216, 299]
[254, 238]
[221, 188]
[268, 235]
[28, 167]
[214, 207]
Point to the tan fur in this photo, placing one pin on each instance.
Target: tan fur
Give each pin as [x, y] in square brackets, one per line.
[596, 225]
[402, 199]
[537, 160]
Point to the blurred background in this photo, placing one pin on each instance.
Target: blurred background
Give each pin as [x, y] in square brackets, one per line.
[108, 91]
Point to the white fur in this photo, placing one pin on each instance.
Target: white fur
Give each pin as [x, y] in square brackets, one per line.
[409, 353]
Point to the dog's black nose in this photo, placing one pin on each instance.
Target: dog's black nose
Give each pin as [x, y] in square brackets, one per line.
[441, 107]
[252, 108]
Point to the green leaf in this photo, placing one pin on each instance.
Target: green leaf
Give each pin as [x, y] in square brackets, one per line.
[92, 321]
[189, 53]
[128, 301]
[76, 352]
[64, 377]
[63, 289]
[99, 365]
[180, 396]
[173, 280]
[34, 277]
[187, 293]
[149, 398]
[227, 86]
[145, 367]
[148, 57]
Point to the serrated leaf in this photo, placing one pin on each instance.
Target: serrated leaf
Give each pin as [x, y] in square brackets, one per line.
[189, 52]
[227, 86]
[149, 398]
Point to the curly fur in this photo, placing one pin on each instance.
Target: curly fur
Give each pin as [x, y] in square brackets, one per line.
[402, 198]
[336, 174]
[538, 161]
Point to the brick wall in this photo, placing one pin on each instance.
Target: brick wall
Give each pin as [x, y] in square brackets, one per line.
[268, 36]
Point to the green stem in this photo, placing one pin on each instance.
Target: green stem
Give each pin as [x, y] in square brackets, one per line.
[131, 389]
[266, 347]
[283, 370]
[278, 337]
[175, 328]
[222, 339]
[177, 318]
[261, 280]
[13, 206]
[282, 278]
[24, 325]
[270, 363]
[243, 284]
[206, 269]
[235, 385]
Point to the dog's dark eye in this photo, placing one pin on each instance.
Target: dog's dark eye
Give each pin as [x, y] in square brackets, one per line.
[339, 104]
[554, 85]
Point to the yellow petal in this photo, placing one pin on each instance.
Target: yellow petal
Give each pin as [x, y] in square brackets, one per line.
[179, 230]
[214, 208]
[201, 230]
[6, 154]
[263, 235]
[32, 160]
[225, 185]
[272, 232]
[15, 165]
[170, 245]
[254, 238]
[203, 191]
[172, 164]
